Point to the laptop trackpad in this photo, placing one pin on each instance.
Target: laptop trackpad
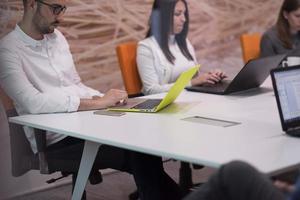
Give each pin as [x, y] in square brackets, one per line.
[131, 103]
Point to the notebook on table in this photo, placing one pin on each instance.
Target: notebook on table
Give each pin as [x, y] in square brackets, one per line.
[252, 75]
[286, 84]
[155, 105]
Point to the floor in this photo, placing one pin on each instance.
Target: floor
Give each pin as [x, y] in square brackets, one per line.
[115, 186]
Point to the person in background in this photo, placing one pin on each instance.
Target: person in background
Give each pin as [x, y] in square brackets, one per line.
[240, 181]
[37, 72]
[166, 52]
[284, 36]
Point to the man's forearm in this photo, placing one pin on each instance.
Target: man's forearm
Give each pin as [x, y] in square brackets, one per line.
[92, 104]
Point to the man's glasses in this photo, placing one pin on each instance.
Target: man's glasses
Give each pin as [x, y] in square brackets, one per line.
[56, 8]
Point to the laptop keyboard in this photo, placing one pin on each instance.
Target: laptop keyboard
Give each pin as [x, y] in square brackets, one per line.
[219, 87]
[148, 104]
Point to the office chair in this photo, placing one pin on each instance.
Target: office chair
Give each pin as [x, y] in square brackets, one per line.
[250, 44]
[23, 159]
[126, 53]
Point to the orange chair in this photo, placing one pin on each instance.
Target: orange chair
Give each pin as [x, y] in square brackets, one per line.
[250, 44]
[126, 53]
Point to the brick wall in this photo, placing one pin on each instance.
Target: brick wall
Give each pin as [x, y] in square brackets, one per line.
[94, 27]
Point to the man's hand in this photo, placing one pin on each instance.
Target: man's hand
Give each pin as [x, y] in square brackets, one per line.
[111, 98]
[114, 97]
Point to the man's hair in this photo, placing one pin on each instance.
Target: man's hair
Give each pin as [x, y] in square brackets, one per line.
[24, 2]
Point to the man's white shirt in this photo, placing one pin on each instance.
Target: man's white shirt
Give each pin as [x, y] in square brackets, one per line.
[40, 77]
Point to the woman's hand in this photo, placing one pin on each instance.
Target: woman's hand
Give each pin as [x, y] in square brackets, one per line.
[219, 73]
[211, 77]
[284, 187]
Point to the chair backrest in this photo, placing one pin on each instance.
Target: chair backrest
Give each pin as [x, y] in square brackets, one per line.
[22, 157]
[250, 44]
[126, 53]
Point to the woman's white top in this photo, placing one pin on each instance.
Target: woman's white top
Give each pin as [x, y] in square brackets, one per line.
[157, 73]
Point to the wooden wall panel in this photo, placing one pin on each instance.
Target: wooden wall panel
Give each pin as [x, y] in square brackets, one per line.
[94, 27]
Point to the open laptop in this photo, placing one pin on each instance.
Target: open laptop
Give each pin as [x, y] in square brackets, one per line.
[286, 84]
[155, 105]
[252, 75]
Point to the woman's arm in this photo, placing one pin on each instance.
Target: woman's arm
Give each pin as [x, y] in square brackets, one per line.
[266, 46]
[148, 74]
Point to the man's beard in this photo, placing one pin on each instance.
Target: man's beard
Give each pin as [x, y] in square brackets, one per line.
[41, 24]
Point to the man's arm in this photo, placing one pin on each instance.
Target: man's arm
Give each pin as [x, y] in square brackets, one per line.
[17, 86]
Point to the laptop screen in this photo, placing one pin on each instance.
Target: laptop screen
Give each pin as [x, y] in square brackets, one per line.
[287, 91]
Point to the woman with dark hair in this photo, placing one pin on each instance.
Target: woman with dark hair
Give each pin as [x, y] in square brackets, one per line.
[284, 36]
[166, 52]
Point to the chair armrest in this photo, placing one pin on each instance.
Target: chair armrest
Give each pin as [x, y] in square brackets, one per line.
[40, 138]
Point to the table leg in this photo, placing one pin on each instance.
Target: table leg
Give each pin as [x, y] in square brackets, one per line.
[185, 177]
[87, 160]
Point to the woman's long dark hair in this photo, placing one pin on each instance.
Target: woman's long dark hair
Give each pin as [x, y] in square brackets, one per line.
[161, 26]
[282, 25]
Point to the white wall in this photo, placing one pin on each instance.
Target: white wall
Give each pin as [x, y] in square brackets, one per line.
[11, 186]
